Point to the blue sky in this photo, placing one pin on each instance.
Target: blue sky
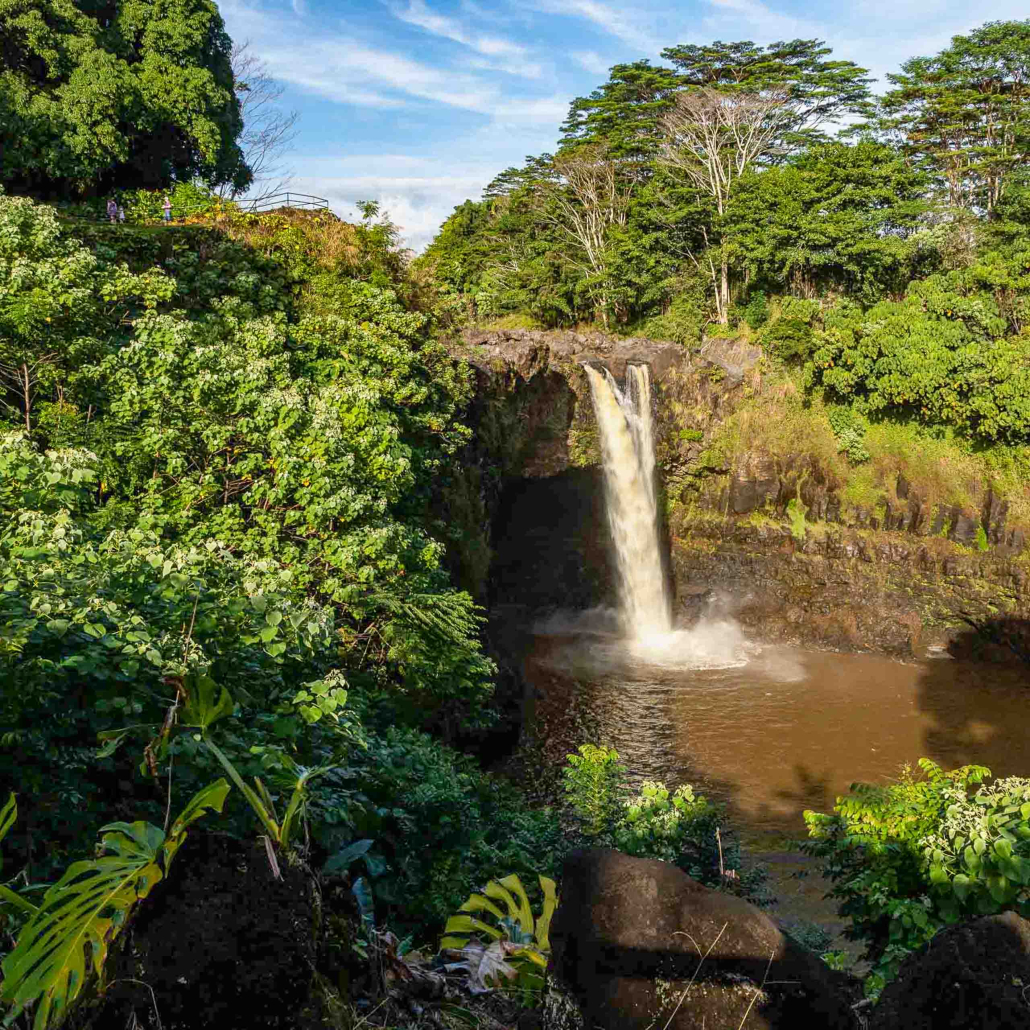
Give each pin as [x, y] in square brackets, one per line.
[419, 103]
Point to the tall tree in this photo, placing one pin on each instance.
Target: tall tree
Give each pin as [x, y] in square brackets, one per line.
[114, 93]
[965, 113]
[834, 217]
[623, 114]
[591, 200]
[712, 139]
[818, 90]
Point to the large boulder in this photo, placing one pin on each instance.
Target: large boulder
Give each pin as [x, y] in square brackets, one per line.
[640, 944]
[975, 976]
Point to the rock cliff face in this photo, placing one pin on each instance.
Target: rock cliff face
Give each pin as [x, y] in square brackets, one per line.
[780, 534]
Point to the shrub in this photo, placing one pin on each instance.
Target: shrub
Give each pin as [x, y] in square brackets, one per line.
[796, 513]
[682, 323]
[908, 858]
[595, 783]
[443, 826]
[800, 309]
[64, 944]
[849, 427]
[678, 827]
[188, 200]
[952, 352]
[791, 339]
[519, 942]
[756, 312]
[672, 826]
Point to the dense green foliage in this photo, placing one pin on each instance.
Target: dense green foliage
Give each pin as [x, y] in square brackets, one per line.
[220, 467]
[217, 557]
[710, 190]
[908, 858]
[101, 95]
[443, 826]
[654, 822]
[221, 442]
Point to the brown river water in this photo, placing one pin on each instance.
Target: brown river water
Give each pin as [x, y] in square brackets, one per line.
[771, 731]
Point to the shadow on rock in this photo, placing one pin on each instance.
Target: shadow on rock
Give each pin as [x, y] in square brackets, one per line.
[638, 943]
[1005, 640]
[969, 977]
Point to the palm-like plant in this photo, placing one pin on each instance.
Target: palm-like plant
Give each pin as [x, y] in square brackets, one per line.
[519, 942]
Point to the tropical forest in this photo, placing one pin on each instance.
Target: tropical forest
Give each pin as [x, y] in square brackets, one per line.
[614, 613]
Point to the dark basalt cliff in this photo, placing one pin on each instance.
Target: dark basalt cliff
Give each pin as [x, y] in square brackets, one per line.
[778, 535]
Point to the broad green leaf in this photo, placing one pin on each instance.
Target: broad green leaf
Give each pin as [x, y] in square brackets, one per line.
[469, 924]
[525, 913]
[345, 856]
[363, 895]
[13, 898]
[206, 703]
[478, 903]
[208, 799]
[67, 939]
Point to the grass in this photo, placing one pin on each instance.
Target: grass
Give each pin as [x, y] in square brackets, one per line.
[513, 321]
[941, 466]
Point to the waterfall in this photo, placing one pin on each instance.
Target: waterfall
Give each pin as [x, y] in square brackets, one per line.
[627, 447]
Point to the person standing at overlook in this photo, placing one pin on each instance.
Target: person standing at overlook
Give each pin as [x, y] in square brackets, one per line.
[167, 208]
[112, 211]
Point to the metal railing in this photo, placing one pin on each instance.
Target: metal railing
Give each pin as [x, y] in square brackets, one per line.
[288, 199]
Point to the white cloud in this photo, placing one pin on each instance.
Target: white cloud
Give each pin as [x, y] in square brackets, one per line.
[504, 54]
[418, 204]
[591, 61]
[540, 111]
[627, 25]
[418, 13]
[341, 68]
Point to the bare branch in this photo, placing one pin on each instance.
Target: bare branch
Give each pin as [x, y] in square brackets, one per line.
[713, 138]
[268, 130]
[591, 197]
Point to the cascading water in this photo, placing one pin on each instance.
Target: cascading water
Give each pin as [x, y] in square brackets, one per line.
[627, 447]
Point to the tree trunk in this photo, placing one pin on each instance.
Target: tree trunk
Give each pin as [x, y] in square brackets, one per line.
[27, 392]
[724, 291]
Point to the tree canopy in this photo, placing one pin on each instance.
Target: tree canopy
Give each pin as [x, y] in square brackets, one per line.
[964, 113]
[102, 95]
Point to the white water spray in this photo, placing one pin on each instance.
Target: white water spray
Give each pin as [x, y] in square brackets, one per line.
[627, 446]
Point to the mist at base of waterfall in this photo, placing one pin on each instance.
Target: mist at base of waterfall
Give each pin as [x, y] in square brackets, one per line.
[594, 642]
